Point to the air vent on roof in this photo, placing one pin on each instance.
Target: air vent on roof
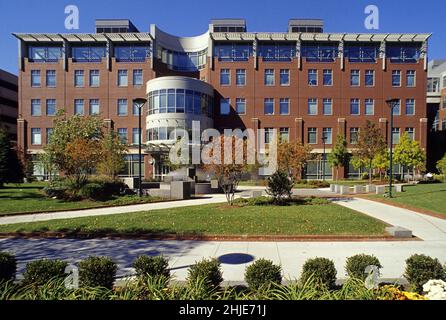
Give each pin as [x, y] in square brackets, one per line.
[306, 25]
[115, 26]
[228, 25]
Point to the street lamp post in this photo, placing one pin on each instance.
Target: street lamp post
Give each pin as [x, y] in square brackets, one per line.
[392, 103]
[324, 139]
[140, 102]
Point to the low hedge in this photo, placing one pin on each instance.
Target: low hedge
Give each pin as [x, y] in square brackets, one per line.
[420, 269]
[8, 267]
[146, 266]
[39, 272]
[262, 273]
[207, 270]
[321, 270]
[97, 272]
[355, 266]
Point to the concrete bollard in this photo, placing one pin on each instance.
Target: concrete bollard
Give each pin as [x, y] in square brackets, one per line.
[380, 189]
[370, 188]
[345, 190]
[332, 187]
[357, 189]
[399, 188]
[337, 188]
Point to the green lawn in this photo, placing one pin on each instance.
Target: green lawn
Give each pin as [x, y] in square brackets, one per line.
[29, 198]
[431, 197]
[220, 219]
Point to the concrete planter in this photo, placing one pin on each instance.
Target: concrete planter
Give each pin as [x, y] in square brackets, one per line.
[203, 188]
[370, 188]
[180, 190]
[380, 189]
[358, 189]
[332, 187]
[344, 190]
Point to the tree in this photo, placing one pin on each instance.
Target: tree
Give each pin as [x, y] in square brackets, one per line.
[291, 157]
[11, 168]
[63, 150]
[409, 154]
[112, 154]
[82, 155]
[228, 173]
[441, 165]
[280, 186]
[339, 155]
[47, 164]
[370, 143]
[382, 163]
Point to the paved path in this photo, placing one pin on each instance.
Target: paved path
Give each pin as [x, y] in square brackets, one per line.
[235, 256]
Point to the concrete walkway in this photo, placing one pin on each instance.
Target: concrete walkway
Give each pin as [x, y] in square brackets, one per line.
[235, 256]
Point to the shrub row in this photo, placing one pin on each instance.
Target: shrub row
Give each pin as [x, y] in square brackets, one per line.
[101, 271]
[95, 189]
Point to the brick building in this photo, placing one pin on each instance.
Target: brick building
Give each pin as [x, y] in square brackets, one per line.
[305, 83]
[9, 106]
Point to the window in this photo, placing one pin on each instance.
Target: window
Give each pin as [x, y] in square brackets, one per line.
[269, 132]
[36, 109]
[122, 107]
[79, 78]
[410, 78]
[225, 107]
[88, 54]
[51, 107]
[363, 52]
[233, 51]
[268, 106]
[136, 135]
[132, 53]
[131, 168]
[51, 78]
[354, 107]
[369, 107]
[240, 77]
[284, 134]
[135, 109]
[36, 136]
[397, 108]
[49, 132]
[79, 107]
[410, 107]
[171, 101]
[396, 78]
[312, 106]
[326, 134]
[137, 77]
[240, 105]
[123, 80]
[355, 78]
[354, 135]
[328, 77]
[444, 81]
[312, 135]
[369, 78]
[94, 78]
[44, 54]
[284, 77]
[225, 77]
[433, 84]
[269, 77]
[284, 106]
[312, 77]
[403, 53]
[276, 51]
[411, 133]
[319, 52]
[182, 61]
[396, 135]
[327, 104]
[94, 106]
[180, 100]
[122, 134]
[35, 78]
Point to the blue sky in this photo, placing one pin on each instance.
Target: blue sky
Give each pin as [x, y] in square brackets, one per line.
[191, 17]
